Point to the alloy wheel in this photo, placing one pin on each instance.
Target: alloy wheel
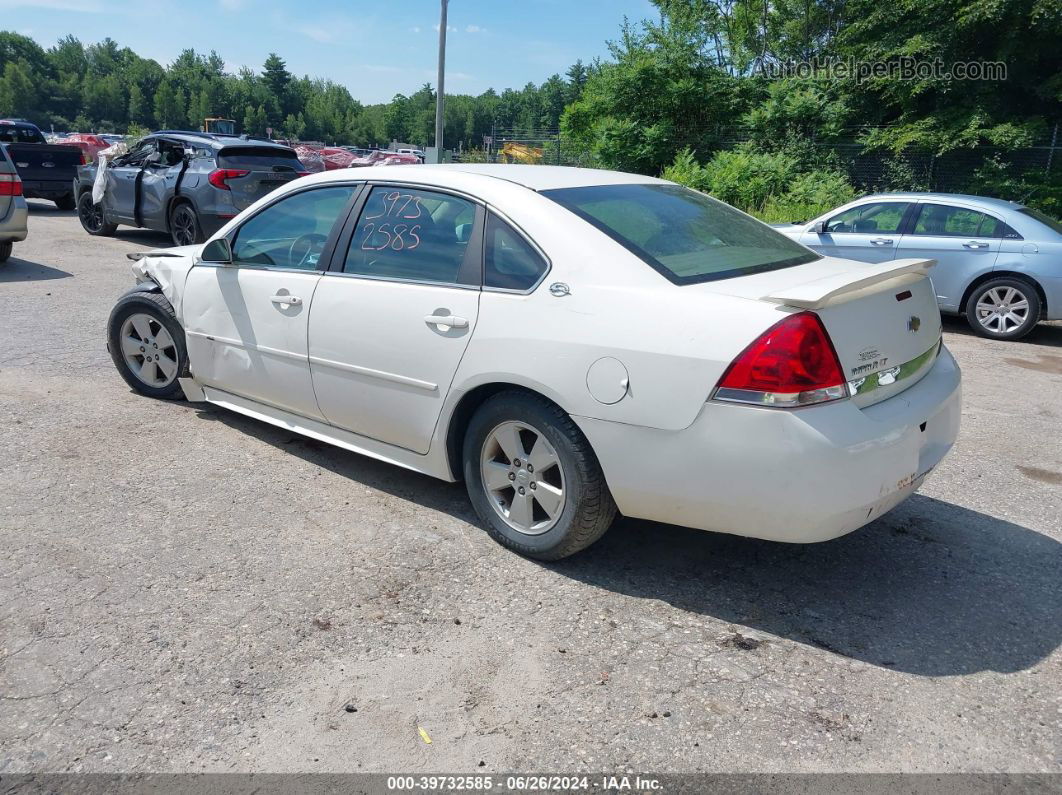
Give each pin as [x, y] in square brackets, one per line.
[184, 226]
[522, 477]
[149, 351]
[91, 215]
[1001, 310]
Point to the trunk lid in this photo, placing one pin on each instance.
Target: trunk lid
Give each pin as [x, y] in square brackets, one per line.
[882, 318]
[267, 169]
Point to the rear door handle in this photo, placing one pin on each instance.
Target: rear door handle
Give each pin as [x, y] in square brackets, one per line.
[291, 300]
[450, 321]
[881, 241]
[974, 244]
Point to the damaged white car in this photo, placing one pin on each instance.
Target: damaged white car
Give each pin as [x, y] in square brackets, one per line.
[571, 343]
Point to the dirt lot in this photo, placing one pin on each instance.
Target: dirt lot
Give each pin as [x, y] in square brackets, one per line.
[185, 589]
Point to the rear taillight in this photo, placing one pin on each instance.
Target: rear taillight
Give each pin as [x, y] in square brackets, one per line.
[85, 159]
[792, 364]
[219, 176]
[303, 173]
[10, 185]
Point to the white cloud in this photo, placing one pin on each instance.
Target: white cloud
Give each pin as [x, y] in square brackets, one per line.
[415, 29]
[449, 28]
[475, 29]
[88, 6]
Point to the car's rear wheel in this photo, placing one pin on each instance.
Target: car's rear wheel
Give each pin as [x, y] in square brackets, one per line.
[1004, 308]
[66, 202]
[5, 250]
[147, 345]
[533, 478]
[184, 226]
[92, 218]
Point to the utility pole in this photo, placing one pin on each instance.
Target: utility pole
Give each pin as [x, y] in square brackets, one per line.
[440, 97]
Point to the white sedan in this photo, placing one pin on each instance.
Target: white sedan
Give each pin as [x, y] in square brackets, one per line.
[569, 342]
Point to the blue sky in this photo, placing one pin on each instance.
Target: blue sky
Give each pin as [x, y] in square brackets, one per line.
[376, 49]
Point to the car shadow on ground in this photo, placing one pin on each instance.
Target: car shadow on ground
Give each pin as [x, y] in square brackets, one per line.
[930, 589]
[144, 237]
[45, 207]
[20, 270]
[1049, 334]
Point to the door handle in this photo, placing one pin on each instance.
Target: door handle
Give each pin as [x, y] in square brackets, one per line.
[450, 321]
[291, 300]
[974, 244]
[881, 241]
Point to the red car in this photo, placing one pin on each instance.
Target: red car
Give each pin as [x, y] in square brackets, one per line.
[90, 145]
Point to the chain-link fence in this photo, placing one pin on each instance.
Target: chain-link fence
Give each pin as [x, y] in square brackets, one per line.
[975, 169]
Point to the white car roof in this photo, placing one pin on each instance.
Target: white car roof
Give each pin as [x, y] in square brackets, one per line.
[529, 176]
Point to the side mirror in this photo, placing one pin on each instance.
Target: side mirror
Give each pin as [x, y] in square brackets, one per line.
[218, 251]
[819, 228]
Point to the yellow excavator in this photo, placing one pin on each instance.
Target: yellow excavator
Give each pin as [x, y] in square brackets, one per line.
[513, 152]
[219, 126]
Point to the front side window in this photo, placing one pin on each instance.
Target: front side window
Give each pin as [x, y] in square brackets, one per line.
[948, 221]
[412, 234]
[869, 218]
[292, 232]
[510, 262]
[686, 236]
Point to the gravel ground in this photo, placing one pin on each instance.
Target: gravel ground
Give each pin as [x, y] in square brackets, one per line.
[184, 589]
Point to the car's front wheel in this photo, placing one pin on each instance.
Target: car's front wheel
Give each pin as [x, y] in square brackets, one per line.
[1004, 308]
[184, 226]
[147, 344]
[533, 478]
[92, 218]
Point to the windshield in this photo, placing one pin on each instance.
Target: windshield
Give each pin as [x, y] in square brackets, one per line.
[1043, 218]
[687, 236]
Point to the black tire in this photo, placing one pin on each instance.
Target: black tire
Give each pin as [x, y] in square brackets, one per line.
[588, 508]
[5, 250]
[155, 305]
[184, 225]
[998, 292]
[92, 217]
[66, 202]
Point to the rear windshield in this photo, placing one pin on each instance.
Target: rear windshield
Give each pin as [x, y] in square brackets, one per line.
[687, 236]
[9, 134]
[262, 158]
[1043, 218]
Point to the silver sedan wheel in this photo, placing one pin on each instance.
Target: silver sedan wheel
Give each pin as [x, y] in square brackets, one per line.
[1002, 309]
[149, 351]
[523, 478]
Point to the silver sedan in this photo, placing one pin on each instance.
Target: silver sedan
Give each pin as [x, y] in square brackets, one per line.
[999, 262]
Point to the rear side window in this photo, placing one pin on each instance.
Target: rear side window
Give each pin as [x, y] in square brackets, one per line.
[510, 262]
[686, 236]
[262, 158]
[411, 234]
[948, 221]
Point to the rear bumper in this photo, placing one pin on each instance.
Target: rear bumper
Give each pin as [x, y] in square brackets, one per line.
[15, 225]
[47, 189]
[800, 476]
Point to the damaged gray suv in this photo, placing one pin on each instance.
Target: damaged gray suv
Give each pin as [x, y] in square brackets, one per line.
[184, 183]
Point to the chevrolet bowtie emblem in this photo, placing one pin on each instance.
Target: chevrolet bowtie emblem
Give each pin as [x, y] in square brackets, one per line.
[914, 324]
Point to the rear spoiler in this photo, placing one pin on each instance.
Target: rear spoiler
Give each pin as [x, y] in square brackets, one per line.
[819, 292]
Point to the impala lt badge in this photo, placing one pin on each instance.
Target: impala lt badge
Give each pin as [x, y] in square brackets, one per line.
[914, 324]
